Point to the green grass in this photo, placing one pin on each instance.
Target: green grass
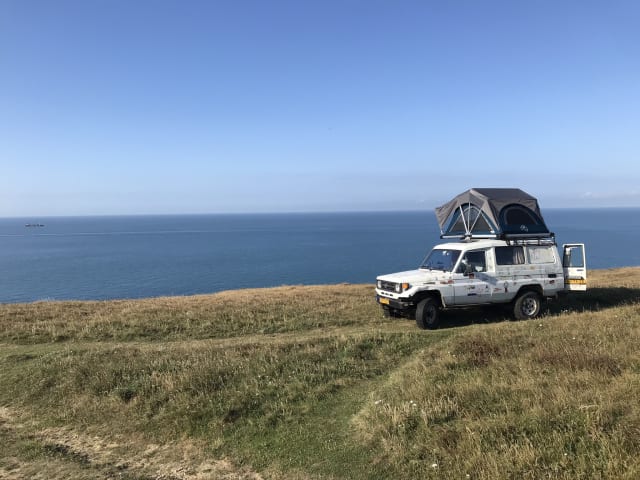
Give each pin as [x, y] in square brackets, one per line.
[312, 382]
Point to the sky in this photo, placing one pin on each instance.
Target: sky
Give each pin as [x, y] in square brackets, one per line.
[153, 107]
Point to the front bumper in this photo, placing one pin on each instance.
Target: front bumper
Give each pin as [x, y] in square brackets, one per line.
[386, 302]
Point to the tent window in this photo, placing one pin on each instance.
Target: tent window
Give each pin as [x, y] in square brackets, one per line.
[469, 219]
[458, 225]
[517, 215]
[481, 225]
[520, 219]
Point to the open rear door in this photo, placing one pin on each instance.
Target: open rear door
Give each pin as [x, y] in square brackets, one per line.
[574, 265]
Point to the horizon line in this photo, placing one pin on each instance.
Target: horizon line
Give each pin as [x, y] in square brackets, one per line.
[290, 212]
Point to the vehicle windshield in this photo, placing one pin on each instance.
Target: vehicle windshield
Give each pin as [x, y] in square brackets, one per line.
[440, 259]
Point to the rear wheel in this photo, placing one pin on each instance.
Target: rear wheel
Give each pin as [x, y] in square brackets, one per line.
[428, 313]
[527, 305]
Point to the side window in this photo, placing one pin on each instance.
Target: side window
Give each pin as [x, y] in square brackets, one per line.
[472, 262]
[539, 255]
[510, 255]
[573, 261]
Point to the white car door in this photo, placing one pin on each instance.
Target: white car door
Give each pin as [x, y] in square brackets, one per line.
[470, 281]
[574, 266]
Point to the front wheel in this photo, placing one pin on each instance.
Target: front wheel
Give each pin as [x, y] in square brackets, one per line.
[527, 306]
[428, 313]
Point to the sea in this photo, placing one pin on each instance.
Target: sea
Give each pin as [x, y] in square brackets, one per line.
[124, 257]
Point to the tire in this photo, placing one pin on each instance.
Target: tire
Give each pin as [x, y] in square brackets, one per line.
[428, 313]
[527, 306]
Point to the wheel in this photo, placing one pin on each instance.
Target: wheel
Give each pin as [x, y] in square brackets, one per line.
[428, 313]
[527, 306]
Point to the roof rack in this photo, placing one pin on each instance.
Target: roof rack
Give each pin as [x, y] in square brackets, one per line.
[549, 239]
[471, 236]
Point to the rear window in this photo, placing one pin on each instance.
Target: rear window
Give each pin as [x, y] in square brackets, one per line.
[541, 255]
[510, 255]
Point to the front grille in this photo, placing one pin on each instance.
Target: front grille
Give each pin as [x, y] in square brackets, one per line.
[387, 286]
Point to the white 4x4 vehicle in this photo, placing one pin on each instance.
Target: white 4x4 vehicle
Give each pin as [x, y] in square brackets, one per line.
[504, 255]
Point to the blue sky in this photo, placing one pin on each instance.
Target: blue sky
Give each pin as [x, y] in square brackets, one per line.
[135, 107]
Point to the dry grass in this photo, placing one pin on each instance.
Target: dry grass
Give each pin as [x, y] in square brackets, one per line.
[312, 382]
[222, 315]
[554, 397]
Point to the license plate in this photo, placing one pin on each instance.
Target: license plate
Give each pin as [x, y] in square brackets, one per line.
[383, 301]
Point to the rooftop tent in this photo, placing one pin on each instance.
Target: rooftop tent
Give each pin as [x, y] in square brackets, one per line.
[492, 213]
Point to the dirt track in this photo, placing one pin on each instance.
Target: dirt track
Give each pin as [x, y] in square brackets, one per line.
[100, 458]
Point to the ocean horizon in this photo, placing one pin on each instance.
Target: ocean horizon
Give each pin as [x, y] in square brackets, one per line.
[136, 256]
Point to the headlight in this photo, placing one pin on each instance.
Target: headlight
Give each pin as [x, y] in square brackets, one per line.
[398, 288]
[379, 283]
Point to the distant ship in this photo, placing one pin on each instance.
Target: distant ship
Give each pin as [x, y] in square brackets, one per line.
[34, 225]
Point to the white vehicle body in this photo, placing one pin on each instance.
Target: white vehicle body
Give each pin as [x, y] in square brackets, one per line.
[481, 272]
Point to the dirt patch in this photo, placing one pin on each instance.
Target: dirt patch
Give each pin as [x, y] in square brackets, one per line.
[113, 457]
[175, 461]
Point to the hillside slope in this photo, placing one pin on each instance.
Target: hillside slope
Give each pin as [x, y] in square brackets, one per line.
[313, 382]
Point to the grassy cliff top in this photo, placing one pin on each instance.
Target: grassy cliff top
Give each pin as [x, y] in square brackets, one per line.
[312, 382]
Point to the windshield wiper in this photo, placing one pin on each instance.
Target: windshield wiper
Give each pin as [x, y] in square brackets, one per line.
[438, 269]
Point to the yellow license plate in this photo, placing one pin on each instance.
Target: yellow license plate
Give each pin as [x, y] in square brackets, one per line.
[383, 301]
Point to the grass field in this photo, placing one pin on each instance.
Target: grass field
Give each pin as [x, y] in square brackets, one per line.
[313, 382]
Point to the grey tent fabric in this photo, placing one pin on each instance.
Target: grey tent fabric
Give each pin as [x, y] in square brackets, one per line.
[492, 212]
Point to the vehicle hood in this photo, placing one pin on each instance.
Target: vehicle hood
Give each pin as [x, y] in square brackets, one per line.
[416, 277]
